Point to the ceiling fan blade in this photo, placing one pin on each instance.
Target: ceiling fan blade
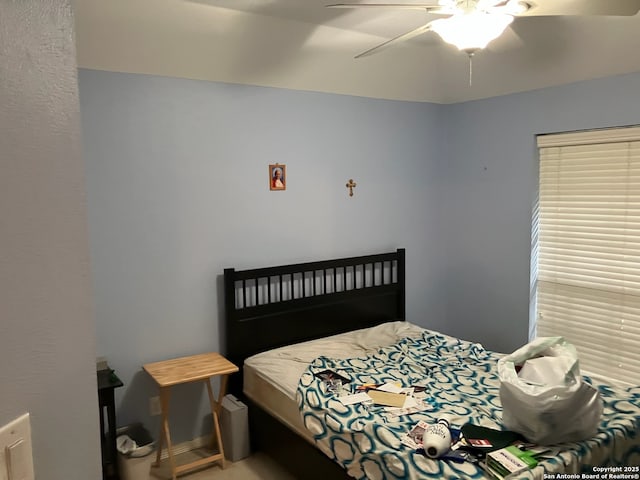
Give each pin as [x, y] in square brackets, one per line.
[405, 36]
[515, 8]
[581, 7]
[508, 41]
[430, 7]
[483, 4]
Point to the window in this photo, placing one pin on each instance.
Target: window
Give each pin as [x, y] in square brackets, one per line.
[588, 248]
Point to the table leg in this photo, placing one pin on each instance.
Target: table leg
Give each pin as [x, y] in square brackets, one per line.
[160, 440]
[165, 395]
[222, 393]
[215, 408]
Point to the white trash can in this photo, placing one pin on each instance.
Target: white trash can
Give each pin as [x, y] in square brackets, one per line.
[135, 452]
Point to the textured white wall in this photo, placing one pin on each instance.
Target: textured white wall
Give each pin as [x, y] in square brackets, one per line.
[47, 331]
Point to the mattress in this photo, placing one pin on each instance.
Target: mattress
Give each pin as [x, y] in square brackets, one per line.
[271, 378]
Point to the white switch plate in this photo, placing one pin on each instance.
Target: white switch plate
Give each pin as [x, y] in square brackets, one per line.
[16, 456]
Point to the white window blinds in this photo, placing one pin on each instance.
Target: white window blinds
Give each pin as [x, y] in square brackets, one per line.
[588, 251]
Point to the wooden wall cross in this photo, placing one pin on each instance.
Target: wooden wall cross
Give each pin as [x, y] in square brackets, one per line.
[351, 185]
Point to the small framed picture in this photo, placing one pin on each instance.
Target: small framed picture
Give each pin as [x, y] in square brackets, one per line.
[277, 177]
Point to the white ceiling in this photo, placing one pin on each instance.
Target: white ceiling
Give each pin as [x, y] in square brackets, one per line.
[300, 44]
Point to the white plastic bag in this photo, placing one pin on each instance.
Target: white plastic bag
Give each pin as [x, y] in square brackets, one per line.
[547, 401]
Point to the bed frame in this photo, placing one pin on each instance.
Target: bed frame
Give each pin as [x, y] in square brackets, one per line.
[266, 308]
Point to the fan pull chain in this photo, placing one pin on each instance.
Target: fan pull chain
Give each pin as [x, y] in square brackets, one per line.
[471, 69]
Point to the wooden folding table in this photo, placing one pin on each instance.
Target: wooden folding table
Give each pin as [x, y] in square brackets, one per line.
[196, 368]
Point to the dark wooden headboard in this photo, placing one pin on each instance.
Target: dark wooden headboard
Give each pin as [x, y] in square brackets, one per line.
[271, 307]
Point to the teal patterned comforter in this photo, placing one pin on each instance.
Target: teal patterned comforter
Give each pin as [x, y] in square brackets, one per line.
[462, 384]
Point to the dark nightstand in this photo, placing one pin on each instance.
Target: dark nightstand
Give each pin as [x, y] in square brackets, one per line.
[107, 383]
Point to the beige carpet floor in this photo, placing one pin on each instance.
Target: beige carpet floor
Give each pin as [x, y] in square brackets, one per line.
[255, 467]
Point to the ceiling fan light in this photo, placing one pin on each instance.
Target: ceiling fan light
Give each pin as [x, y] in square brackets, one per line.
[471, 31]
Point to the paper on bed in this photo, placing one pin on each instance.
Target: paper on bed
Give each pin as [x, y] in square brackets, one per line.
[355, 398]
[409, 402]
[390, 387]
[389, 399]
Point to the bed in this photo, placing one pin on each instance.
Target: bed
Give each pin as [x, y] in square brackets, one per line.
[285, 323]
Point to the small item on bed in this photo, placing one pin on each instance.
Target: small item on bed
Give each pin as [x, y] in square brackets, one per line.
[437, 439]
[508, 462]
[388, 399]
[537, 451]
[451, 454]
[458, 456]
[409, 402]
[333, 382]
[413, 438]
[327, 375]
[479, 442]
[354, 398]
[482, 440]
[367, 386]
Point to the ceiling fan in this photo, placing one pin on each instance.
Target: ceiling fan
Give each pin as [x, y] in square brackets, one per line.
[471, 24]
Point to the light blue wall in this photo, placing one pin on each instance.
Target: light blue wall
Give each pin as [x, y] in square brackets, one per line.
[178, 190]
[177, 175]
[490, 187]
